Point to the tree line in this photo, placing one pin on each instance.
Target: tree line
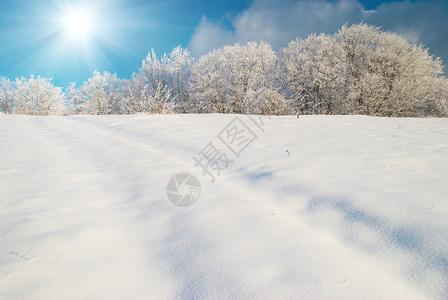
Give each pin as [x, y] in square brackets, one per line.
[361, 69]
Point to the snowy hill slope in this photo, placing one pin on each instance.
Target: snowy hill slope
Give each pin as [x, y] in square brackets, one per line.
[337, 207]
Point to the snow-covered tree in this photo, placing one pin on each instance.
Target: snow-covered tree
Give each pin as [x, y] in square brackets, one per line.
[76, 101]
[245, 75]
[313, 73]
[143, 99]
[273, 102]
[209, 83]
[155, 71]
[38, 96]
[237, 79]
[440, 108]
[7, 96]
[388, 75]
[180, 63]
[159, 103]
[252, 76]
[240, 63]
[361, 69]
[170, 72]
[102, 94]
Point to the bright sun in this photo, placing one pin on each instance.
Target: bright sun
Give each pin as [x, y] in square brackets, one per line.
[78, 24]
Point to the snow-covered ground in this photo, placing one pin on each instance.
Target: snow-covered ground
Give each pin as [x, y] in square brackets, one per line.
[342, 207]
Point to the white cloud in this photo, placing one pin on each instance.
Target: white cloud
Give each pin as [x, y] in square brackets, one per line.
[280, 21]
[420, 21]
[209, 36]
[277, 22]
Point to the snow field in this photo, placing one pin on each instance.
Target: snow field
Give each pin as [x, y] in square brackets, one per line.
[358, 209]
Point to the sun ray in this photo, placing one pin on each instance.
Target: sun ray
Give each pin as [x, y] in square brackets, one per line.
[70, 39]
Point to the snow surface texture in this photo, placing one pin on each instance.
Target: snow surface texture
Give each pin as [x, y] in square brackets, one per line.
[356, 208]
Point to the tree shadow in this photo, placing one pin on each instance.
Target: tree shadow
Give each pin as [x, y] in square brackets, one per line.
[410, 240]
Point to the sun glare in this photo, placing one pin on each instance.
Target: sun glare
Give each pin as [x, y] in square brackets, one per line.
[77, 33]
[78, 24]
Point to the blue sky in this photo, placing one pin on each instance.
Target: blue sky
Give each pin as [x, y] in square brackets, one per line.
[37, 38]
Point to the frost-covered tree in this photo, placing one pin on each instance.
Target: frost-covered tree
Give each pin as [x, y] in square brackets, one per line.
[240, 63]
[273, 102]
[388, 75]
[180, 63]
[251, 71]
[245, 74]
[38, 96]
[313, 73]
[237, 79]
[75, 100]
[143, 99]
[101, 95]
[268, 100]
[155, 71]
[158, 103]
[440, 108]
[7, 96]
[363, 70]
[170, 72]
[209, 83]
